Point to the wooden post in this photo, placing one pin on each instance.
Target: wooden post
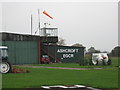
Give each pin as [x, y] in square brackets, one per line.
[39, 52]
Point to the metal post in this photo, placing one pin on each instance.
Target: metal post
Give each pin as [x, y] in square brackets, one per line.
[31, 24]
[39, 21]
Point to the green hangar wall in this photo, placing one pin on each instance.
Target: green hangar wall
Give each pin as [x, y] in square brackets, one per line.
[24, 48]
[22, 52]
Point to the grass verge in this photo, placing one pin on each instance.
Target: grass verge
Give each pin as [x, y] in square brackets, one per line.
[104, 78]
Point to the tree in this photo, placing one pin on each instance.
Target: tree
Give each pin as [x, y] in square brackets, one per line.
[61, 42]
[93, 50]
[105, 52]
[115, 51]
[77, 45]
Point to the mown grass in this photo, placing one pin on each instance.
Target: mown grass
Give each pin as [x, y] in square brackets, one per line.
[104, 78]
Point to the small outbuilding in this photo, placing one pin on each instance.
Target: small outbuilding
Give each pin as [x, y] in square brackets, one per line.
[65, 54]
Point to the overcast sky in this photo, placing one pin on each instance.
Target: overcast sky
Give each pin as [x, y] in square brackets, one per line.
[88, 23]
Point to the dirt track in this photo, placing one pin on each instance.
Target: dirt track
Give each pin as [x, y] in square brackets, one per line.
[58, 67]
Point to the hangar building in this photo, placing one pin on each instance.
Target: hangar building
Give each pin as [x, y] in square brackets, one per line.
[30, 49]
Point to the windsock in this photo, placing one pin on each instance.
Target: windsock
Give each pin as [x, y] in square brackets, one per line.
[47, 14]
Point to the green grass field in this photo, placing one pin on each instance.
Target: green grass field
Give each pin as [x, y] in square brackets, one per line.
[104, 78]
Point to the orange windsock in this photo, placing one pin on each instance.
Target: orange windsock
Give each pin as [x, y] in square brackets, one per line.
[47, 14]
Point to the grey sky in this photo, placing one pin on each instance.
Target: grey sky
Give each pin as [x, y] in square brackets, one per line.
[88, 23]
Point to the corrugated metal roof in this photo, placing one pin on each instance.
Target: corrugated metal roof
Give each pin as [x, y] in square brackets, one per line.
[26, 37]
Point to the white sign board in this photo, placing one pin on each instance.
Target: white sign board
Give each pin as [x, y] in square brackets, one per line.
[67, 53]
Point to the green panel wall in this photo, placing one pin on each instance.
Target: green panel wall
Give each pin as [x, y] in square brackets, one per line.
[77, 56]
[22, 52]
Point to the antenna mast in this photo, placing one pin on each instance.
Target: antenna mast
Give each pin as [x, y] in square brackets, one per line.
[39, 20]
[31, 24]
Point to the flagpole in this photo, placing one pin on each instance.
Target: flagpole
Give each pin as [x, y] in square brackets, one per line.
[31, 24]
[39, 21]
